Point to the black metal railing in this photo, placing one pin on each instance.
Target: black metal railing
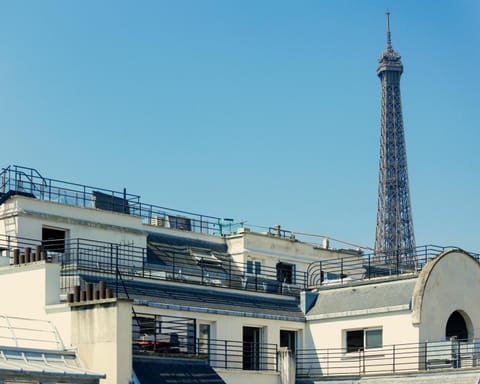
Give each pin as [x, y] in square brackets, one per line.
[399, 358]
[353, 268]
[164, 334]
[25, 181]
[160, 335]
[103, 260]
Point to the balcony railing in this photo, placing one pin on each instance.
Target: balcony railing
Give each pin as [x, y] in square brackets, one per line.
[29, 333]
[28, 182]
[110, 260]
[352, 268]
[399, 358]
[161, 335]
[223, 354]
[107, 260]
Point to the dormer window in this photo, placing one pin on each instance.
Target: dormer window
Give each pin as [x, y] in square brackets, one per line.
[204, 256]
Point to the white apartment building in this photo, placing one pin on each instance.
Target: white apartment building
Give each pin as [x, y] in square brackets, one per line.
[137, 293]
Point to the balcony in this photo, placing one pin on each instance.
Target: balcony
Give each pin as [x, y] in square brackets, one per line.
[18, 180]
[123, 262]
[389, 359]
[167, 337]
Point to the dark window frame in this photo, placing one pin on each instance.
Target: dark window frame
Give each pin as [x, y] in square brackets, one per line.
[359, 339]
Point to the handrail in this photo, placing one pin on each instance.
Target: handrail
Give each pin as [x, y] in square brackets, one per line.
[394, 358]
[176, 336]
[125, 262]
[374, 265]
[29, 333]
[17, 180]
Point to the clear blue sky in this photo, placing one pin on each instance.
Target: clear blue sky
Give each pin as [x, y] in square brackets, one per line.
[261, 110]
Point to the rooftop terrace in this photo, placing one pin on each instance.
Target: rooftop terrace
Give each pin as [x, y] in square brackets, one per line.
[18, 180]
[24, 181]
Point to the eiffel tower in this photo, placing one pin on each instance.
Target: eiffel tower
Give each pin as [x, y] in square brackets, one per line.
[394, 240]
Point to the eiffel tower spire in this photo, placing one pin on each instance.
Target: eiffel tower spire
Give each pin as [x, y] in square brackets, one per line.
[394, 233]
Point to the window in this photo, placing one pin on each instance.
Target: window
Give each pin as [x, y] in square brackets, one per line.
[361, 339]
[456, 327]
[286, 273]
[203, 338]
[288, 339]
[204, 256]
[53, 240]
[251, 348]
[254, 267]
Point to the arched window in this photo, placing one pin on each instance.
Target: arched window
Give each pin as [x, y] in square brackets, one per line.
[456, 327]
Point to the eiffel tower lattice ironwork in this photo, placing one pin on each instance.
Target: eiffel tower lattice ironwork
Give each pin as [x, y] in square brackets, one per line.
[395, 239]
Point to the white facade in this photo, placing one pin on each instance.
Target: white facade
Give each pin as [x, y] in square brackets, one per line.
[234, 291]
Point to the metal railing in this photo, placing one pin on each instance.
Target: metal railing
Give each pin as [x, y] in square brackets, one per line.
[353, 268]
[399, 358]
[29, 333]
[104, 260]
[160, 335]
[164, 334]
[25, 181]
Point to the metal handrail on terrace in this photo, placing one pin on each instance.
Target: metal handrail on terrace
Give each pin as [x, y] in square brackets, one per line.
[26, 181]
[102, 259]
[397, 358]
[223, 354]
[375, 265]
[106, 260]
[29, 333]
[163, 335]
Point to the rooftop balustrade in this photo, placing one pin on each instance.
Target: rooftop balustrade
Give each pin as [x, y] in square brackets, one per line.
[113, 261]
[167, 336]
[18, 180]
[347, 269]
[388, 359]
[110, 260]
[22, 332]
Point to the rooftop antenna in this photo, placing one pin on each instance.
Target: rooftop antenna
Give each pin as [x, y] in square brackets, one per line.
[389, 37]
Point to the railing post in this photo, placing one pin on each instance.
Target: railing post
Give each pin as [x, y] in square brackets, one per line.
[359, 362]
[229, 273]
[425, 355]
[111, 258]
[363, 359]
[173, 266]
[225, 356]
[77, 254]
[393, 358]
[116, 271]
[328, 361]
[397, 266]
[369, 266]
[341, 271]
[321, 273]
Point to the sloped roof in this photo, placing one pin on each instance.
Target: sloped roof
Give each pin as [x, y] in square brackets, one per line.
[370, 296]
[43, 365]
[199, 298]
[174, 371]
[160, 238]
